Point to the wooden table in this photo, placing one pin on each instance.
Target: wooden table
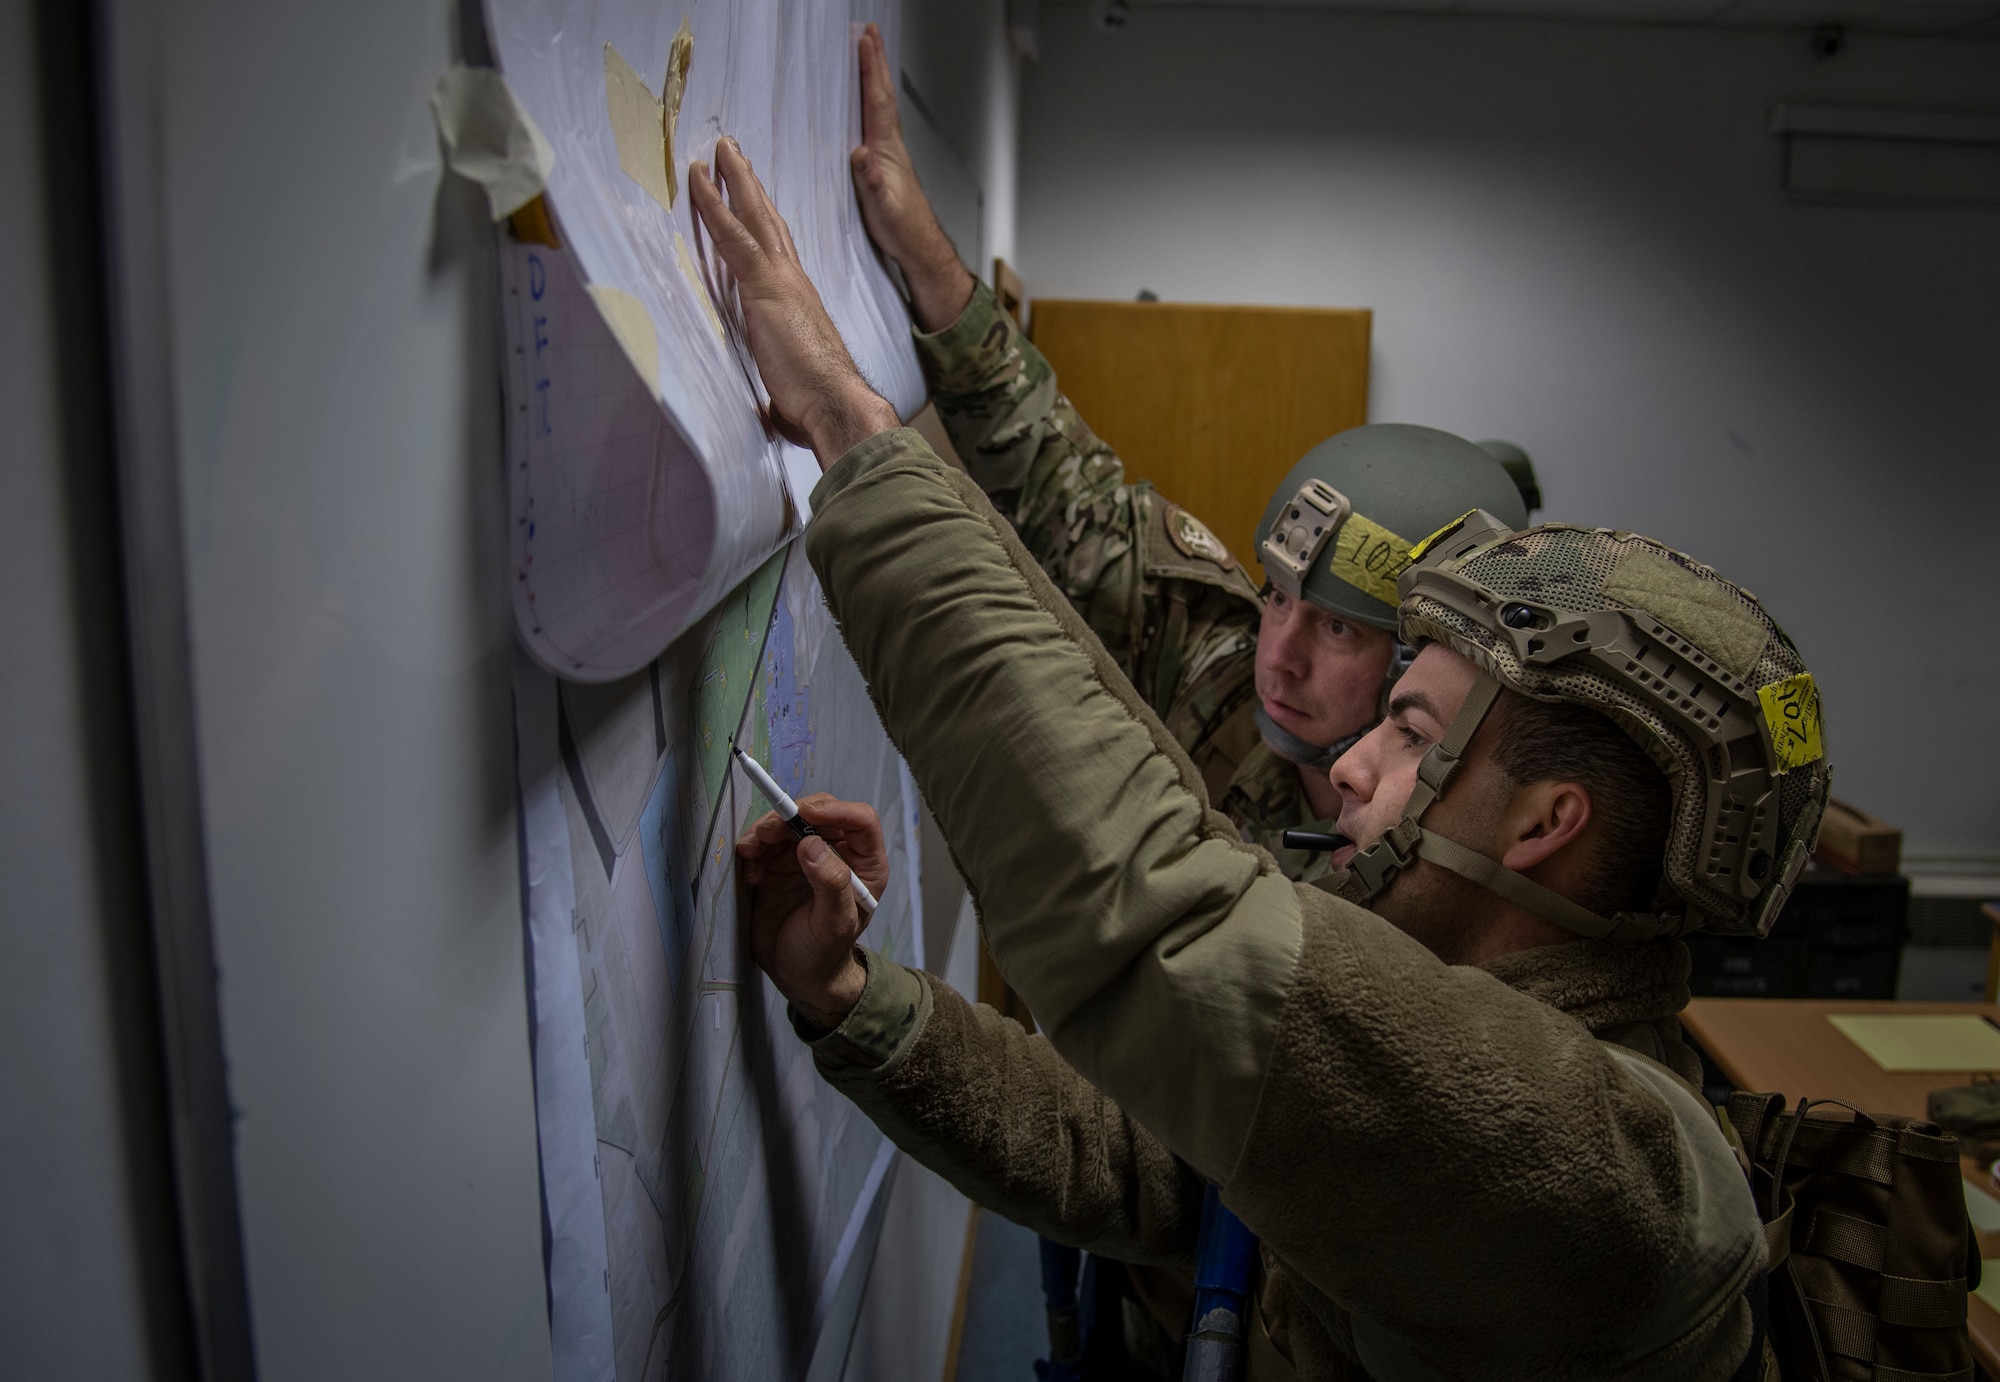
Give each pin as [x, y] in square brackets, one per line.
[1786, 1046]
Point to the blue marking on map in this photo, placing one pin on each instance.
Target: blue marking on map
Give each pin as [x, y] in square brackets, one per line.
[787, 706]
[666, 871]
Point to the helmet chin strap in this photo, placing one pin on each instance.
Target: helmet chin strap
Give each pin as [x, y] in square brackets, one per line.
[1293, 749]
[1372, 870]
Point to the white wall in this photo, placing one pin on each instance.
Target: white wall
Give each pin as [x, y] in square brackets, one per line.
[1572, 236]
[337, 387]
[71, 1294]
[956, 52]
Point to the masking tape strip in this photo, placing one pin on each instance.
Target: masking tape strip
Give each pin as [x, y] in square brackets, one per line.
[1368, 557]
[489, 138]
[680, 55]
[693, 275]
[1791, 713]
[638, 127]
[632, 324]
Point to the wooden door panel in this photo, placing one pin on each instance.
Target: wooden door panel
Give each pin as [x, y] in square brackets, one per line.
[1213, 404]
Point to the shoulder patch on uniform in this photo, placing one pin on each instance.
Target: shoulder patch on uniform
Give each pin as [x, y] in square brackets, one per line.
[1192, 537]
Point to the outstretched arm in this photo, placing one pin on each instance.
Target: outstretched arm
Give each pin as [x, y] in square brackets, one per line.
[893, 206]
[1020, 438]
[1055, 480]
[1133, 875]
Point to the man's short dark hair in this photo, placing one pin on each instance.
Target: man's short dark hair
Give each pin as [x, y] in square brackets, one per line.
[1544, 742]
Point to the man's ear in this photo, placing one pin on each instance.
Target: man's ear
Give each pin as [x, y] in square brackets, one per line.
[1542, 820]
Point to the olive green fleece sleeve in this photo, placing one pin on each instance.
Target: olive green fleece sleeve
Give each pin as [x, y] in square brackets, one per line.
[1426, 1128]
[1046, 472]
[1154, 947]
[997, 1113]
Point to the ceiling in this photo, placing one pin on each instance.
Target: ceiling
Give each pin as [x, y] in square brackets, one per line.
[1961, 18]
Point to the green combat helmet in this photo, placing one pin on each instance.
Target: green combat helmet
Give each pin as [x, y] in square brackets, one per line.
[1687, 664]
[1338, 531]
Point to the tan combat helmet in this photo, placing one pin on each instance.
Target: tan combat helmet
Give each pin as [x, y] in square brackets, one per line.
[1687, 664]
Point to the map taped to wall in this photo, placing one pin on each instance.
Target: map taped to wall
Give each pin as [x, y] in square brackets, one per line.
[643, 481]
[712, 1205]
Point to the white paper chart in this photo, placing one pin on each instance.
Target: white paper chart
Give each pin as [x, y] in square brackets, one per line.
[629, 523]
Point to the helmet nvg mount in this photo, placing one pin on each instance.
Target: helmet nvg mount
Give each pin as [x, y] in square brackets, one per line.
[1335, 533]
[1687, 664]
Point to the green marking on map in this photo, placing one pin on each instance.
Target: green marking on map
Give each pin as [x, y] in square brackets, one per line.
[697, 1181]
[760, 725]
[729, 672]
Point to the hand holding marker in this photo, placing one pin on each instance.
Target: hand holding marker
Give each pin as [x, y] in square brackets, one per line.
[782, 803]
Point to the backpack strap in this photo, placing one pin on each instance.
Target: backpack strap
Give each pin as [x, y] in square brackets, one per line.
[1778, 1231]
[1750, 1113]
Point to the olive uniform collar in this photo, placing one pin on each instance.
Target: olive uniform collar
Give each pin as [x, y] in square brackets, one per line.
[1604, 985]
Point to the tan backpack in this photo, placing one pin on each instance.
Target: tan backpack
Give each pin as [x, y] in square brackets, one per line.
[1871, 1251]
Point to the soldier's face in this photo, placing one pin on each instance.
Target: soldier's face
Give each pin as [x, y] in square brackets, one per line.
[1484, 810]
[1319, 676]
[1376, 776]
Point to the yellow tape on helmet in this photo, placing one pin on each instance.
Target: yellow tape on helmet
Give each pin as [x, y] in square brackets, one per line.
[1368, 557]
[1791, 712]
[1417, 552]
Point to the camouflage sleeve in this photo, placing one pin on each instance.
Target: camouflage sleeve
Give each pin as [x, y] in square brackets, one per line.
[1060, 486]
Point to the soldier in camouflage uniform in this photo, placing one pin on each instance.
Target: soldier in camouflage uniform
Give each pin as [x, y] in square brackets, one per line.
[1263, 695]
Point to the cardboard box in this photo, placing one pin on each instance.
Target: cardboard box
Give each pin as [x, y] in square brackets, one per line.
[1855, 842]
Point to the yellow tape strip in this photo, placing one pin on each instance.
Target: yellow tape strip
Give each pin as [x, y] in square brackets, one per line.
[1417, 552]
[1791, 712]
[1368, 557]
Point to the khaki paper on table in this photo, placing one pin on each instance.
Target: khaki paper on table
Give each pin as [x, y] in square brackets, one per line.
[1945, 1043]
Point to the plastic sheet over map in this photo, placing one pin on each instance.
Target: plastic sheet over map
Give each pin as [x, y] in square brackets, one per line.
[644, 483]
